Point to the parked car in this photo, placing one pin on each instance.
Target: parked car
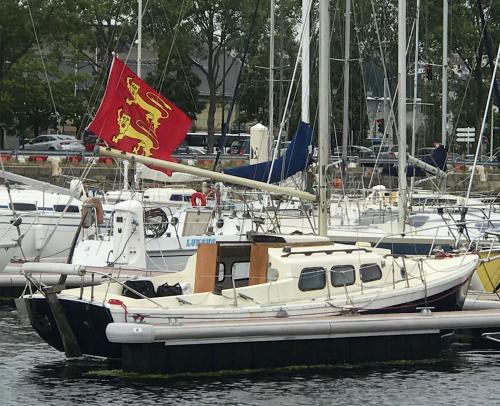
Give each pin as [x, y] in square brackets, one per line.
[90, 141]
[55, 142]
[423, 152]
[380, 152]
[186, 149]
[352, 151]
[240, 147]
[385, 151]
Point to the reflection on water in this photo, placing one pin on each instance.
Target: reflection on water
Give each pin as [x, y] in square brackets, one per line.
[30, 370]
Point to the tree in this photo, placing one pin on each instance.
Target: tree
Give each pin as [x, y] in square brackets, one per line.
[255, 80]
[220, 26]
[174, 45]
[468, 89]
[16, 33]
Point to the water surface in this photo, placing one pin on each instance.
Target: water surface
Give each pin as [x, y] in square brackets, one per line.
[31, 371]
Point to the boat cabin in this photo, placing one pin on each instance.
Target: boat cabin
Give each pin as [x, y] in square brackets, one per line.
[225, 265]
[28, 200]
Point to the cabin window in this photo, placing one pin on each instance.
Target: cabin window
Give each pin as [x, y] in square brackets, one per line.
[312, 279]
[342, 275]
[240, 270]
[23, 206]
[71, 209]
[179, 198]
[370, 272]
[221, 275]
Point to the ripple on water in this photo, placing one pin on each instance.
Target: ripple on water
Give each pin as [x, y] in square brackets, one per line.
[30, 370]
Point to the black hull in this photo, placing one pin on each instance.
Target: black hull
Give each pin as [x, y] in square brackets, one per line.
[158, 358]
[89, 321]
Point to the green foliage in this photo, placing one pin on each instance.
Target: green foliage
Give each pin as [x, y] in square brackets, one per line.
[255, 80]
[167, 29]
[77, 39]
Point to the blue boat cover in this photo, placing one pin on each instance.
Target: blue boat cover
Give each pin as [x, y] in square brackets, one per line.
[295, 159]
[437, 159]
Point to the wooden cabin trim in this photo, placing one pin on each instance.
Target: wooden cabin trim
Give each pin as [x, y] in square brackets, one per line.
[206, 268]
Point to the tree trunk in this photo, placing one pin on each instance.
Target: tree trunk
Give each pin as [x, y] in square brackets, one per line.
[212, 106]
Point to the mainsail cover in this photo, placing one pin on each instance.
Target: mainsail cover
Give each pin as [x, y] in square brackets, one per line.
[437, 159]
[295, 159]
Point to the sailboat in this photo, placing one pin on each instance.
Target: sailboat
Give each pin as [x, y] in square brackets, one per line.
[270, 277]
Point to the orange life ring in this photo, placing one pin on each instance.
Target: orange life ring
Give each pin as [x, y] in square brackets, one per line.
[198, 197]
[337, 183]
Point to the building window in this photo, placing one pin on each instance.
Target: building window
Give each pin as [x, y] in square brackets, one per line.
[370, 272]
[342, 275]
[312, 279]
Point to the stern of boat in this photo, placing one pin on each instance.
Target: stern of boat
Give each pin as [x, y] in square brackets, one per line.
[87, 321]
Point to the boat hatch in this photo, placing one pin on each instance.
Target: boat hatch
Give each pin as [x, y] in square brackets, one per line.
[233, 265]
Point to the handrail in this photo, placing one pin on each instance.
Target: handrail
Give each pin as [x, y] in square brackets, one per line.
[326, 251]
[82, 271]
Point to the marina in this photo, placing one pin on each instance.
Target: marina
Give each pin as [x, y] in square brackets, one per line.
[172, 248]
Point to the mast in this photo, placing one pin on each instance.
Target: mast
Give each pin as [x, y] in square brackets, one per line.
[139, 37]
[402, 110]
[347, 56]
[306, 5]
[324, 104]
[271, 77]
[139, 73]
[445, 74]
[415, 85]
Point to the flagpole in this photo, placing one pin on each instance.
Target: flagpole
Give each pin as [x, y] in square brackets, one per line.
[139, 38]
[139, 73]
[217, 176]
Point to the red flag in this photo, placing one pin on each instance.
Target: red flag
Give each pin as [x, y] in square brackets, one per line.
[133, 117]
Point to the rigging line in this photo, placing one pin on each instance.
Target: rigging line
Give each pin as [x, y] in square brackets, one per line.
[43, 61]
[193, 99]
[71, 198]
[455, 126]
[384, 66]
[358, 41]
[134, 38]
[100, 84]
[174, 37]
[486, 110]
[392, 105]
[283, 119]
[13, 209]
[236, 93]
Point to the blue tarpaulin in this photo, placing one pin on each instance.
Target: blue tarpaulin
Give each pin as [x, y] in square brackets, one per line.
[295, 159]
[437, 159]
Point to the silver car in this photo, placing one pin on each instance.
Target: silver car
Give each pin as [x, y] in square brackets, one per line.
[55, 142]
